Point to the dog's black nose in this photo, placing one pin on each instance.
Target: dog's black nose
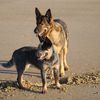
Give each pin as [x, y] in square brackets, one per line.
[36, 30]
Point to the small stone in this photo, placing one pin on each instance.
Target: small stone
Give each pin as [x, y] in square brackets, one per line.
[94, 78]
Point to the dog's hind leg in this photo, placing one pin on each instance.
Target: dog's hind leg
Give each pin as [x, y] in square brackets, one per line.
[66, 67]
[62, 72]
[65, 51]
[20, 71]
[23, 84]
[20, 80]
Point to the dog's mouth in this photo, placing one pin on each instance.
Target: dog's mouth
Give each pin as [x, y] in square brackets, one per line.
[41, 58]
[38, 32]
[41, 34]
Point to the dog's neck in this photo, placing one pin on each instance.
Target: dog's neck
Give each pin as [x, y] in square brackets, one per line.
[53, 26]
[54, 31]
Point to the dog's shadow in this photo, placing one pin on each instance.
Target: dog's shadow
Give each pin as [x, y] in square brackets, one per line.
[7, 71]
[14, 84]
[10, 83]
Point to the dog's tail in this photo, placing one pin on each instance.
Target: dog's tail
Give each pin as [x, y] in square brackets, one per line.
[9, 64]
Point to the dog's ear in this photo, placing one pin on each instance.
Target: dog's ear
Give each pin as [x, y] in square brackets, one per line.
[48, 15]
[37, 12]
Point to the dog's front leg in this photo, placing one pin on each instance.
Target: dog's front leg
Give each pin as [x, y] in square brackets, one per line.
[43, 76]
[56, 76]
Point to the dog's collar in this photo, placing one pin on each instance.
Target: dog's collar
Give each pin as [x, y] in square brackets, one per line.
[49, 31]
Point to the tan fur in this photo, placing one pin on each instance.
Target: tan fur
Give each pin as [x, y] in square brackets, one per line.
[59, 42]
[56, 32]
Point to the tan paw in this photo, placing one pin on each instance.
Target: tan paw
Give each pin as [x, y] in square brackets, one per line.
[44, 90]
[62, 74]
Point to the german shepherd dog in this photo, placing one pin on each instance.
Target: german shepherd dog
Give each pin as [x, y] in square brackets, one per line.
[41, 57]
[56, 31]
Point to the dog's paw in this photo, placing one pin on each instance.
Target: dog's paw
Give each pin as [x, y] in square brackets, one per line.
[62, 74]
[44, 90]
[69, 80]
[58, 85]
[66, 68]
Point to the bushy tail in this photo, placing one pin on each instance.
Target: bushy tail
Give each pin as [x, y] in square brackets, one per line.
[9, 64]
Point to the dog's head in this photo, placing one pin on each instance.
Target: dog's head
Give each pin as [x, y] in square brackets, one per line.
[43, 23]
[45, 50]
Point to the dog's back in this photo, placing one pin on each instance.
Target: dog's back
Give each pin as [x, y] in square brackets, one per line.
[23, 56]
[63, 24]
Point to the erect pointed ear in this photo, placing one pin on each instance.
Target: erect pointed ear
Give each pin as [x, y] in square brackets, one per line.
[37, 12]
[48, 15]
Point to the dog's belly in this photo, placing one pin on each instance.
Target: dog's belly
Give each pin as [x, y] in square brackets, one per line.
[35, 62]
[27, 66]
[57, 48]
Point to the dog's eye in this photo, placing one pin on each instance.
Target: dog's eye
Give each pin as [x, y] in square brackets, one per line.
[46, 53]
[45, 30]
[42, 24]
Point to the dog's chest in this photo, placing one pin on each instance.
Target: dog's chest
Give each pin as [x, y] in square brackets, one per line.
[55, 37]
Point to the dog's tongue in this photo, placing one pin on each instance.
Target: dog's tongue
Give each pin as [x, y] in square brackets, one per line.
[40, 34]
[40, 58]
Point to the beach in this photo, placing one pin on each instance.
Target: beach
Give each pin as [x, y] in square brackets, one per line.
[17, 23]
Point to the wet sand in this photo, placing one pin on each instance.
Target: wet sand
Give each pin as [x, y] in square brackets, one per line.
[17, 22]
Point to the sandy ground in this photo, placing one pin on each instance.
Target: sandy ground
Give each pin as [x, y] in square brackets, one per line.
[17, 22]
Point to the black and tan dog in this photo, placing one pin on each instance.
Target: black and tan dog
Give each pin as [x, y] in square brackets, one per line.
[56, 31]
[40, 57]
